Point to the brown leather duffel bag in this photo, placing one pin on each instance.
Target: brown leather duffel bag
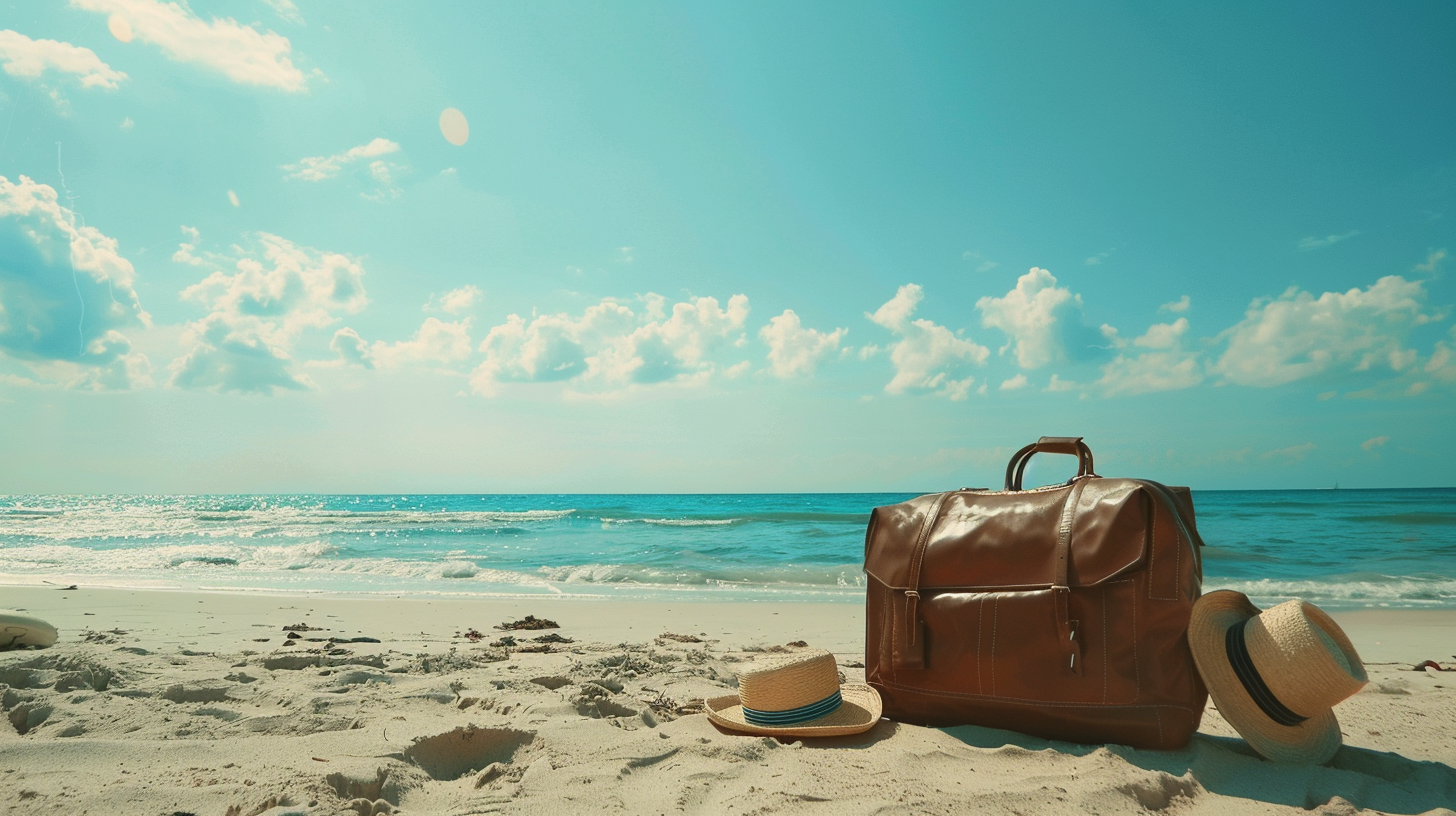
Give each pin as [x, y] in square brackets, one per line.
[1060, 611]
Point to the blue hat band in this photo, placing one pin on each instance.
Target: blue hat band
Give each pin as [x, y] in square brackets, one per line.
[792, 716]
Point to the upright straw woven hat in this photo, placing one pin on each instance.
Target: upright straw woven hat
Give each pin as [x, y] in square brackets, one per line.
[1275, 674]
[799, 696]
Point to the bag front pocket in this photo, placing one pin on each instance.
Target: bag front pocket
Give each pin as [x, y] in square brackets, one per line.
[1009, 645]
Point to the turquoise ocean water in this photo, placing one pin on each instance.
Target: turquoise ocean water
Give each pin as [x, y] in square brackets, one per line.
[1338, 548]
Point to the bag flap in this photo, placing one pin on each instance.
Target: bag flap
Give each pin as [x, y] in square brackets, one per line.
[987, 540]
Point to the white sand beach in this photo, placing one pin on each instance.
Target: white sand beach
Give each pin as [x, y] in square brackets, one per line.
[157, 702]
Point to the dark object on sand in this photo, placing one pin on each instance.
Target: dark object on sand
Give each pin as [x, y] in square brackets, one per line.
[1059, 611]
[352, 640]
[302, 627]
[506, 642]
[1429, 664]
[530, 622]
[680, 638]
[553, 638]
[797, 644]
[472, 635]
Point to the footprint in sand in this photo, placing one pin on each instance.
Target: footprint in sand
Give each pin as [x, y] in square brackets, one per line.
[466, 750]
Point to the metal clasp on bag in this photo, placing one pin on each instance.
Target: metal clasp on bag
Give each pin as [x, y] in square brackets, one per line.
[1066, 625]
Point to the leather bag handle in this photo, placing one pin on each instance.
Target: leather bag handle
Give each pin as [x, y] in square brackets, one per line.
[1069, 445]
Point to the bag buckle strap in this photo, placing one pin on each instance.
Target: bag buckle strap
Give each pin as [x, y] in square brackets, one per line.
[1067, 628]
[912, 613]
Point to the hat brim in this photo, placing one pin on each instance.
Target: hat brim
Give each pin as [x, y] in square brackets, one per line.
[1313, 741]
[859, 712]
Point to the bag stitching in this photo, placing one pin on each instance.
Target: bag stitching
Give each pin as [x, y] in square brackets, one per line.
[1042, 489]
[1106, 658]
[995, 615]
[1177, 562]
[1152, 550]
[887, 633]
[1104, 645]
[894, 636]
[1025, 701]
[1137, 674]
[980, 636]
[976, 587]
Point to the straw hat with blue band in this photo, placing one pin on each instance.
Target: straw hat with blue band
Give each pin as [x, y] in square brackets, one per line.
[1275, 674]
[800, 696]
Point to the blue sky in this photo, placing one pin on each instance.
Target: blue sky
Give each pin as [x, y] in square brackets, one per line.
[265, 245]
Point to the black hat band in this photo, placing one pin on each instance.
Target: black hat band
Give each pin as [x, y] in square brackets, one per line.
[1243, 666]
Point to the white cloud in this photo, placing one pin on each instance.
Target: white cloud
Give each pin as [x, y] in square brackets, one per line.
[455, 301]
[319, 168]
[610, 346]
[1432, 262]
[1036, 316]
[258, 312]
[1155, 371]
[351, 348]
[1166, 367]
[436, 342]
[1096, 260]
[1311, 243]
[1178, 306]
[127, 124]
[1289, 455]
[239, 52]
[895, 313]
[794, 350]
[1374, 442]
[233, 199]
[1163, 335]
[1298, 335]
[65, 291]
[624, 255]
[1441, 366]
[286, 9]
[1017, 382]
[382, 173]
[928, 357]
[31, 59]
[186, 250]
[1057, 384]
[983, 264]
